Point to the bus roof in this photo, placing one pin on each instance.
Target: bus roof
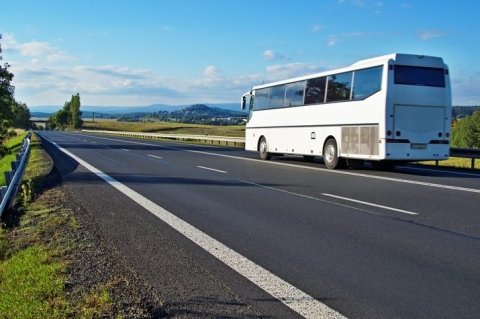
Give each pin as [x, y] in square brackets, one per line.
[397, 58]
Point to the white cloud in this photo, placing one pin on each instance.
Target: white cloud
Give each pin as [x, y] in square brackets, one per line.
[212, 72]
[273, 56]
[317, 28]
[431, 34]
[40, 81]
[290, 70]
[35, 50]
[333, 39]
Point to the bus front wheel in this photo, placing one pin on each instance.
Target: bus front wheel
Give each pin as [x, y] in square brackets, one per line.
[263, 149]
[330, 154]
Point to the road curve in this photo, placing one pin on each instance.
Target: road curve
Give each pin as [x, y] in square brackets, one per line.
[363, 243]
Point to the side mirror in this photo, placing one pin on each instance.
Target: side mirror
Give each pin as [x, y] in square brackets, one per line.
[244, 101]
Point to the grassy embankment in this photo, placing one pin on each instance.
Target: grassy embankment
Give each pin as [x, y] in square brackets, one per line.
[33, 250]
[166, 127]
[456, 162]
[13, 144]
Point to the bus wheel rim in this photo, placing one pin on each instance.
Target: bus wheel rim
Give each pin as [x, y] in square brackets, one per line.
[330, 153]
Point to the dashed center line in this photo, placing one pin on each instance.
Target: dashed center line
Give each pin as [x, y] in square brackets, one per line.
[155, 156]
[370, 204]
[124, 149]
[212, 169]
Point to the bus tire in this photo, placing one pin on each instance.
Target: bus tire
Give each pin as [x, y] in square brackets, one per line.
[330, 154]
[263, 149]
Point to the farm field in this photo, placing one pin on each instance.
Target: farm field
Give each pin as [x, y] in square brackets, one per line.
[166, 127]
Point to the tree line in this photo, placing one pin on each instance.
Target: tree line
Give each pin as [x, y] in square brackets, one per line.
[12, 112]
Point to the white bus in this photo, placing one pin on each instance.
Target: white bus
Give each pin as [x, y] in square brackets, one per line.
[388, 109]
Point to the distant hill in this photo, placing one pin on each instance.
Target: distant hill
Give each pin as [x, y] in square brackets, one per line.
[40, 114]
[132, 109]
[198, 113]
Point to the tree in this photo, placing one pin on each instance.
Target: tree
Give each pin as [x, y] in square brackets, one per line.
[6, 96]
[21, 115]
[69, 116]
[466, 133]
[473, 130]
[75, 113]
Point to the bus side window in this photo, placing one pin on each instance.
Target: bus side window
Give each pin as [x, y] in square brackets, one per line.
[367, 82]
[261, 99]
[339, 87]
[294, 94]
[315, 91]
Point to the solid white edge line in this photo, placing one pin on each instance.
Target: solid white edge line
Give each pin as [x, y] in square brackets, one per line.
[212, 169]
[391, 179]
[154, 156]
[292, 297]
[371, 204]
[438, 170]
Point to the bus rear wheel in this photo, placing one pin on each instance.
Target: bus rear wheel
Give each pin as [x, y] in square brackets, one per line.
[263, 149]
[330, 154]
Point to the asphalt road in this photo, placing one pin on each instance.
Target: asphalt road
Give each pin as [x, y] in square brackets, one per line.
[365, 243]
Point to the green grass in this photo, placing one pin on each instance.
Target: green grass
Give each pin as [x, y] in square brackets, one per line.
[455, 162]
[13, 145]
[166, 127]
[31, 285]
[39, 163]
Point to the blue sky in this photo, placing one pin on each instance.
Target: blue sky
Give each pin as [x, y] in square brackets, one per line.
[127, 53]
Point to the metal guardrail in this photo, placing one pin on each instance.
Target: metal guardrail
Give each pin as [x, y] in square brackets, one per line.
[206, 139]
[472, 153]
[14, 177]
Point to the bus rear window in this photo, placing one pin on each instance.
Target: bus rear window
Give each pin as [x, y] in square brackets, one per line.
[421, 76]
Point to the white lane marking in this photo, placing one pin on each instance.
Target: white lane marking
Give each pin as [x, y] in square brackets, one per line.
[371, 204]
[391, 179]
[292, 297]
[438, 170]
[212, 169]
[124, 149]
[154, 156]
[309, 197]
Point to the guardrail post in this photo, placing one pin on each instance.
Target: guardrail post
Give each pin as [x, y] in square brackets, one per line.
[3, 191]
[15, 165]
[8, 177]
[473, 162]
